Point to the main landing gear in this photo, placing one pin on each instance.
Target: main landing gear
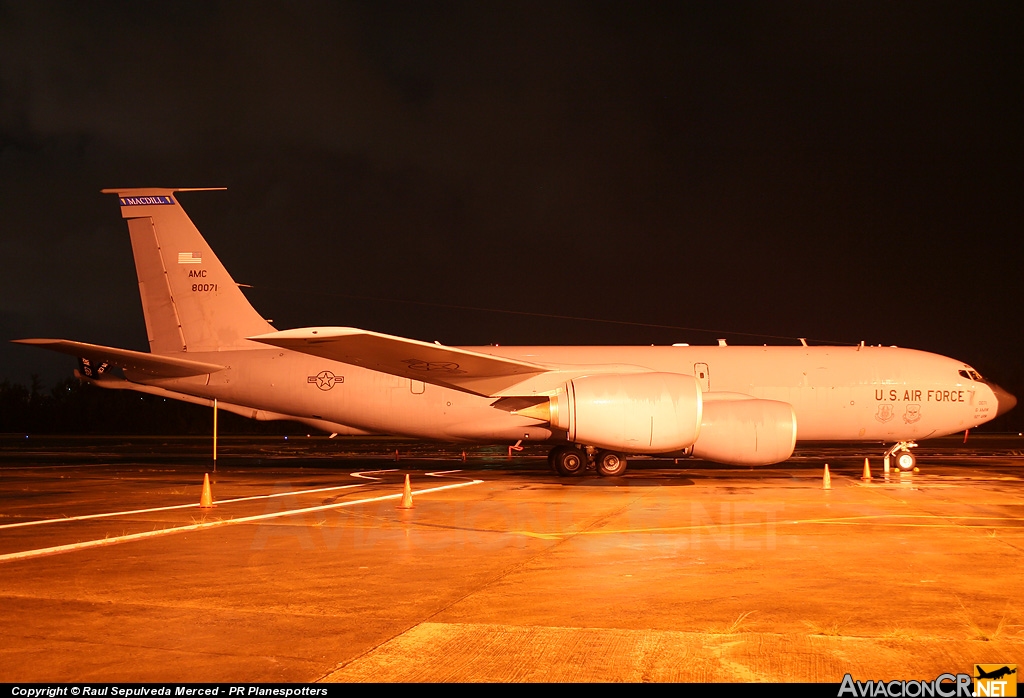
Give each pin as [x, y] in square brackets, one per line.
[903, 458]
[569, 461]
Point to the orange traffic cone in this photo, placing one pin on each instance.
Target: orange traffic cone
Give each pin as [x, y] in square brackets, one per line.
[826, 480]
[866, 477]
[406, 502]
[206, 498]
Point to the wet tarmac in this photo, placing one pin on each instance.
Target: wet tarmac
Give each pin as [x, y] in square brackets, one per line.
[307, 570]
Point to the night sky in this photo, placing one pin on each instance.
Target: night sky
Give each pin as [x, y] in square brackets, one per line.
[841, 171]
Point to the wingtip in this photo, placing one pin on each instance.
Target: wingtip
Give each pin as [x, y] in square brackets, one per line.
[34, 340]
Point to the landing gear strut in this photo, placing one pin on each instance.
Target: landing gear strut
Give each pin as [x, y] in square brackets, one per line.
[905, 460]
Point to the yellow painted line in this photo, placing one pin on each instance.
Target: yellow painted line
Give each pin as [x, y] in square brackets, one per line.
[542, 536]
[826, 522]
[906, 516]
[85, 517]
[57, 549]
[655, 529]
[870, 520]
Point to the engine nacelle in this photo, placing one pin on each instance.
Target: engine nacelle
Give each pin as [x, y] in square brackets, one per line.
[746, 432]
[632, 413]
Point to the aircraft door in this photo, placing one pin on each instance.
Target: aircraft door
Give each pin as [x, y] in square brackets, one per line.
[703, 376]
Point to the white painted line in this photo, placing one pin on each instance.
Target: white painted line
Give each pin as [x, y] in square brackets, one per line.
[57, 549]
[7, 470]
[364, 474]
[108, 514]
[85, 517]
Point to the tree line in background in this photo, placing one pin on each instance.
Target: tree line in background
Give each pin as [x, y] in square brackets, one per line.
[73, 407]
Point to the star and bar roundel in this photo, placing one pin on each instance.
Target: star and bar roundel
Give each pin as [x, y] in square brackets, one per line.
[325, 380]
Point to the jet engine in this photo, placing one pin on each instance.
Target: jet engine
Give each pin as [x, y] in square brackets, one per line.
[631, 413]
[746, 432]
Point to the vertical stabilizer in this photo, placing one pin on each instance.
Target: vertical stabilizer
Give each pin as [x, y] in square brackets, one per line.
[190, 301]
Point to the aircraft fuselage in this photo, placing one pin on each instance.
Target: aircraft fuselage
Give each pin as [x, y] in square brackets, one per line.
[837, 393]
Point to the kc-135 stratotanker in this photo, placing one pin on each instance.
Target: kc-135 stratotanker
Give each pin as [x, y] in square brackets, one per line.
[596, 405]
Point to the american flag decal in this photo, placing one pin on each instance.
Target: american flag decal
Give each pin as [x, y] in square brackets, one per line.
[190, 258]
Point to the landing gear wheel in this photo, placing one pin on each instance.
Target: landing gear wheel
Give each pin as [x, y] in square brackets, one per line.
[569, 461]
[610, 464]
[905, 461]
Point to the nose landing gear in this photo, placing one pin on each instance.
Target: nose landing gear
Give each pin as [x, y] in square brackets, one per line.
[905, 460]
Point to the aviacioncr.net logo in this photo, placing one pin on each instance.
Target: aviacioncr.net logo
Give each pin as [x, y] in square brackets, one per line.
[944, 686]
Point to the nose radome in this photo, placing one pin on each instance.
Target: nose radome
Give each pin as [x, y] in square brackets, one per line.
[1004, 400]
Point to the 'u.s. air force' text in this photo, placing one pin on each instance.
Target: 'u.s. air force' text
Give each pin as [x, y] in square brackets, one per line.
[909, 395]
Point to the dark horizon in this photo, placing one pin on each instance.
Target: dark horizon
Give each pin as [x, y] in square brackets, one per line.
[749, 171]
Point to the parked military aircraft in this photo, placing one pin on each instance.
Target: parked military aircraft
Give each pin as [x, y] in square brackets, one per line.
[743, 405]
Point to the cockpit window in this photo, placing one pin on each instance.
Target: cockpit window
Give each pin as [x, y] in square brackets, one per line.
[970, 374]
[964, 374]
[975, 375]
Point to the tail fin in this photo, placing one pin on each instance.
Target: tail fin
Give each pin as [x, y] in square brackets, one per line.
[190, 301]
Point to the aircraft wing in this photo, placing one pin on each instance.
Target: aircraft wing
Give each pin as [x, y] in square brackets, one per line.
[461, 369]
[153, 365]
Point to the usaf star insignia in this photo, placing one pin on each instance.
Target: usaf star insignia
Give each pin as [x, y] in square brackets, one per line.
[325, 380]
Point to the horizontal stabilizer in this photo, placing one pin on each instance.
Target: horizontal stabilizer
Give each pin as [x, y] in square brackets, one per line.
[461, 369]
[152, 365]
[242, 410]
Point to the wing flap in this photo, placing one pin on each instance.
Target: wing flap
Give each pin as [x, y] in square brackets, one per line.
[152, 365]
[451, 367]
